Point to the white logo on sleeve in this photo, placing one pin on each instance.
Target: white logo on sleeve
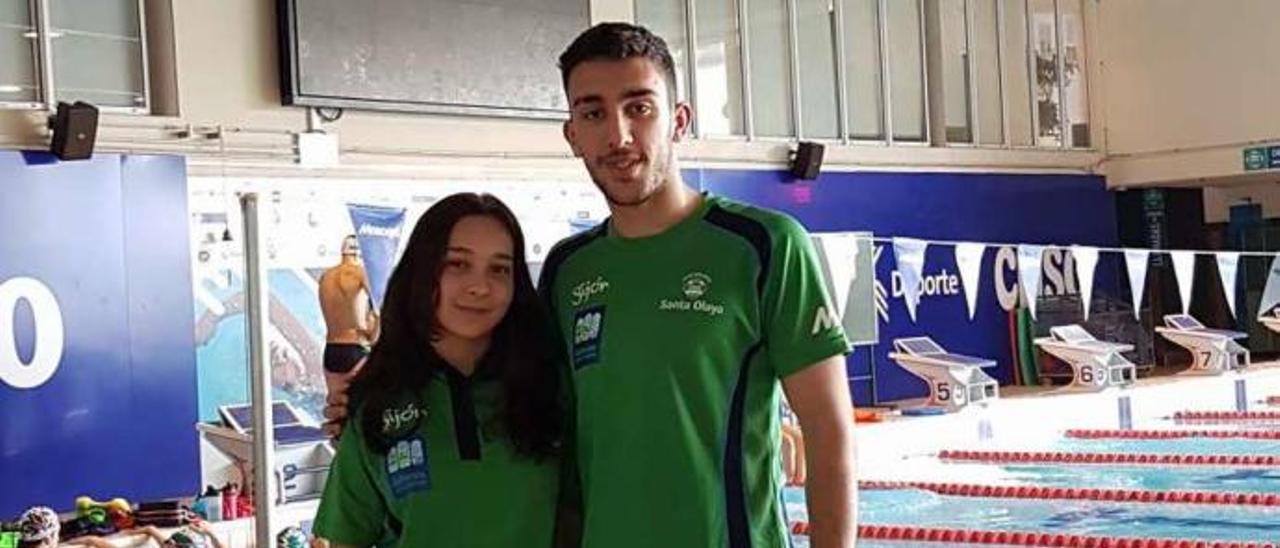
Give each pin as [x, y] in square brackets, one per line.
[590, 288]
[587, 328]
[395, 420]
[588, 336]
[405, 454]
[823, 320]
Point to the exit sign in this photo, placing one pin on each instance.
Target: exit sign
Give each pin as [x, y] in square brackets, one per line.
[1259, 158]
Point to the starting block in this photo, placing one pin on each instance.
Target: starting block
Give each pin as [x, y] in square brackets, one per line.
[954, 380]
[1272, 321]
[1212, 350]
[302, 451]
[1097, 364]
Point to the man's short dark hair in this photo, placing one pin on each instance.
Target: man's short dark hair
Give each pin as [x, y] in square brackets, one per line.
[618, 42]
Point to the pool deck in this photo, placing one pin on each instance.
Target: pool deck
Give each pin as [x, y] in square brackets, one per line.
[1156, 376]
[1033, 418]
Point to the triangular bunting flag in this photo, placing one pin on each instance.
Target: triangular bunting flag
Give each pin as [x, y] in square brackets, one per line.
[1135, 261]
[1029, 271]
[1184, 269]
[839, 254]
[969, 262]
[378, 230]
[1228, 264]
[909, 253]
[1086, 259]
[1271, 292]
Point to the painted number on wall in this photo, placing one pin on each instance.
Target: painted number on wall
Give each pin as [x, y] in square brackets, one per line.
[48, 333]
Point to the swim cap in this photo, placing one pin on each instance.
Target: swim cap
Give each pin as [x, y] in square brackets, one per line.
[186, 538]
[291, 537]
[38, 524]
[350, 245]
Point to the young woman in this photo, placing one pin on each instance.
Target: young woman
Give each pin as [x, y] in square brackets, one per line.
[457, 415]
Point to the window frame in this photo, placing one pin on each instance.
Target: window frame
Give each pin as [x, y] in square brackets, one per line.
[44, 61]
[1003, 85]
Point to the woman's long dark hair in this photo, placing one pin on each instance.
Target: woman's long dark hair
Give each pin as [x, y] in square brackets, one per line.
[520, 351]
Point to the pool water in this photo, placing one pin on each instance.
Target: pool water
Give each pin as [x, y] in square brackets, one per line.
[928, 509]
[1170, 521]
[1185, 446]
[905, 449]
[1184, 478]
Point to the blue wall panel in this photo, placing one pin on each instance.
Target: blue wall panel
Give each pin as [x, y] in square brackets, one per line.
[108, 238]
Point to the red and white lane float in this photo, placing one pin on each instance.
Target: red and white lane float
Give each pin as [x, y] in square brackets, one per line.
[1055, 457]
[1227, 416]
[1024, 538]
[1171, 434]
[1080, 493]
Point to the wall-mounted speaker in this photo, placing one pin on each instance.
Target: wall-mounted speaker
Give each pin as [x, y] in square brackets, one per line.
[806, 162]
[75, 128]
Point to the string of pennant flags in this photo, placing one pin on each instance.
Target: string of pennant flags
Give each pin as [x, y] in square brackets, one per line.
[910, 256]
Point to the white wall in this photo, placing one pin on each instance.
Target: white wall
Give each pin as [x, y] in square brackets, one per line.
[225, 53]
[1186, 83]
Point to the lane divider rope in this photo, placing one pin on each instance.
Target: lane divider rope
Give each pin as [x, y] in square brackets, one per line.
[1080, 493]
[1171, 434]
[1025, 538]
[1227, 416]
[1109, 458]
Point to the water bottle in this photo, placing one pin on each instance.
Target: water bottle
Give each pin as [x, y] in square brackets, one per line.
[208, 505]
[230, 501]
[213, 505]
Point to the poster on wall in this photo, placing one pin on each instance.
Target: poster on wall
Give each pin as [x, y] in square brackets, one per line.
[305, 226]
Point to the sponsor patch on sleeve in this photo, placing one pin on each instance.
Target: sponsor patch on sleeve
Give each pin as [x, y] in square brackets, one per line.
[408, 467]
[588, 333]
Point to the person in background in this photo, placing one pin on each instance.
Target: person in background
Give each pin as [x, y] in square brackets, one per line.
[351, 323]
[292, 537]
[39, 527]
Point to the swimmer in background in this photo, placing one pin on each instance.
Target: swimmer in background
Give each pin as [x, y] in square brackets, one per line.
[351, 322]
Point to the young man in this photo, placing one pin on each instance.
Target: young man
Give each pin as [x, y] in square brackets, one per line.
[351, 322]
[681, 314]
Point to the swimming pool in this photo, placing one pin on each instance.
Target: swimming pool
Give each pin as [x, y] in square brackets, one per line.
[928, 509]
[1074, 500]
[1185, 446]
